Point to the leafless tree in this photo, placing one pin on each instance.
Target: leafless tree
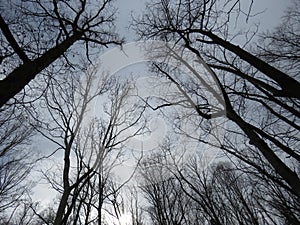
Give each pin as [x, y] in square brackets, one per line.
[136, 211]
[280, 47]
[217, 194]
[37, 34]
[92, 146]
[16, 159]
[165, 200]
[260, 101]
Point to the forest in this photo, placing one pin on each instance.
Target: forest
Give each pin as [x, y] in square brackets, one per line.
[195, 122]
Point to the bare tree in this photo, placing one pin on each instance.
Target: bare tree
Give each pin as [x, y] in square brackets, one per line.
[261, 101]
[92, 146]
[280, 47]
[166, 202]
[136, 210]
[16, 159]
[35, 34]
[218, 194]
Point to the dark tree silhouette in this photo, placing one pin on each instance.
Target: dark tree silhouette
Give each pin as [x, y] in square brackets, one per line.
[261, 101]
[190, 193]
[35, 34]
[92, 146]
[16, 159]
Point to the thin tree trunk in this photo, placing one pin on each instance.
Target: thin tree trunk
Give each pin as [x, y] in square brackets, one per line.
[66, 185]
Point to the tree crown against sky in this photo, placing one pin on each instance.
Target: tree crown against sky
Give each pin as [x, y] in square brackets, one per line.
[38, 33]
[44, 43]
[261, 100]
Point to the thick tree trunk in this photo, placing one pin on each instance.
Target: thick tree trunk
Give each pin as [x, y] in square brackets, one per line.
[280, 167]
[61, 208]
[21, 76]
[290, 86]
[12, 41]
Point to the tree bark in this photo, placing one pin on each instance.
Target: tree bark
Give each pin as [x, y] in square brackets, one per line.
[22, 75]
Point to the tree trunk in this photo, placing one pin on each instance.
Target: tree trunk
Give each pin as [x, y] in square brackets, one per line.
[290, 86]
[22, 75]
[280, 167]
[61, 208]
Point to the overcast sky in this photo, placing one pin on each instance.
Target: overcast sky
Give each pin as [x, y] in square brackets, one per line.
[272, 11]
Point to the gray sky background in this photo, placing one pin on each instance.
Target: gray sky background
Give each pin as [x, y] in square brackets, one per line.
[273, 10]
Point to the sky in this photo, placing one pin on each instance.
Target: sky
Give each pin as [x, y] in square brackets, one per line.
[272, 11]
[125, 9]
